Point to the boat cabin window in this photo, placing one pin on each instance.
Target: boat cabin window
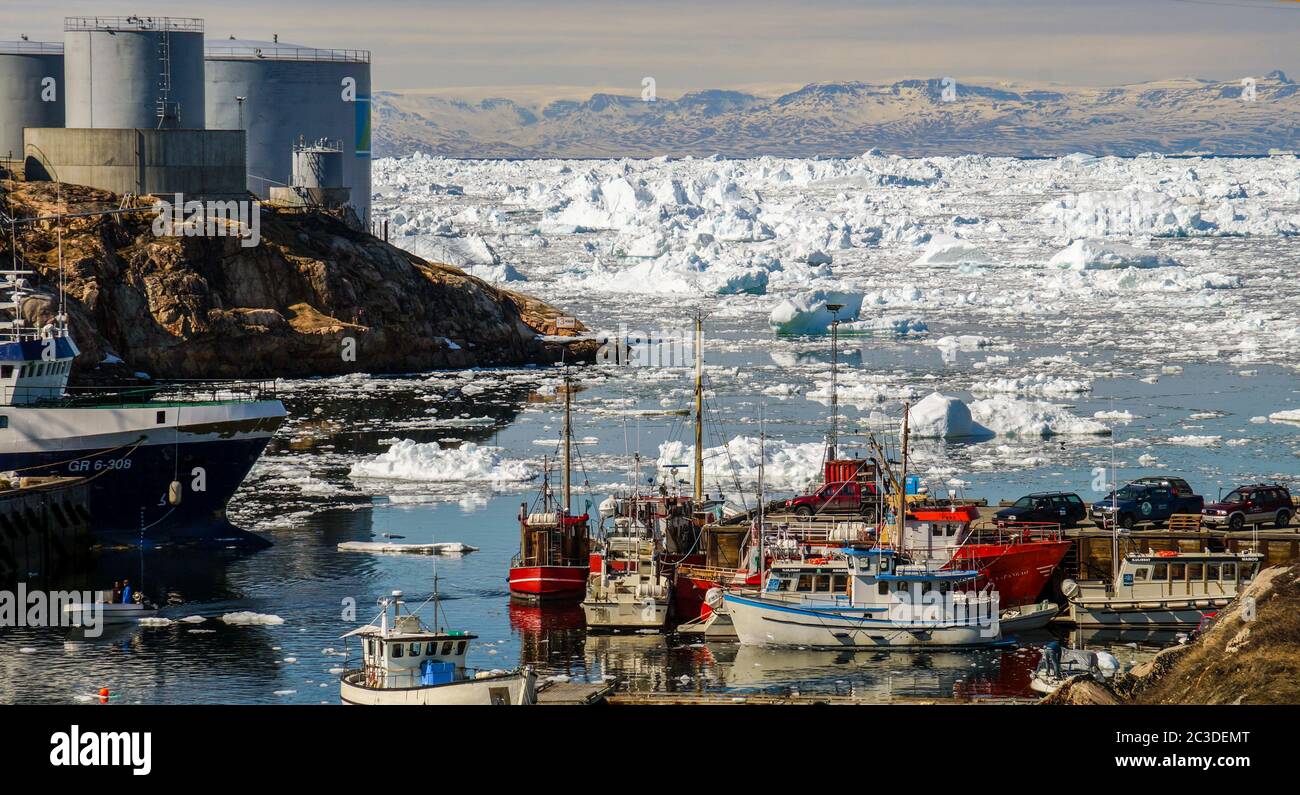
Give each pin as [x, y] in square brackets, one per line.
[1229, 572]
[1141, 573]
[370, 646]
[1211, 571]
[446, 647]
[884, 588]
[781, 584]
[431, 648]
[1195, 571]
[841, 583]
[6, 370]
[1161, 572]
[822, 584]
[415, 650]
[460, 646]
[805, 583]
[4, 421]
[1177, 571]
[395, 650]
[1247, 571]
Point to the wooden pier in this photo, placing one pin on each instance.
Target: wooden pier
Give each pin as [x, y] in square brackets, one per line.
[44, 526]
[574, 693]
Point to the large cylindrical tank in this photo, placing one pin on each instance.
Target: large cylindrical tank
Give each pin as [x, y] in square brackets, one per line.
[318, 165]
[281, 93]
[31, 91]
[134, 72]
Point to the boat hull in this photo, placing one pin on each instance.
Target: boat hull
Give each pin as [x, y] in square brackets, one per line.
[505, 689]
[612, 615]
[761, 622]
[548, 583]
[1018, 572]
[1135, 614]
[129, 461]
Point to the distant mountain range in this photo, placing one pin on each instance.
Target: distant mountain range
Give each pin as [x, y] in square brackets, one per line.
[910, 117]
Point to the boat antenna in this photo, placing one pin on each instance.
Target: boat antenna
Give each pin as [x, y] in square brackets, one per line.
[833, 440]
[1114, 516]
[699, 409]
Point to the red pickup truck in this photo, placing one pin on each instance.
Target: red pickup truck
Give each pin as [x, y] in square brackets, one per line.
[849, 488]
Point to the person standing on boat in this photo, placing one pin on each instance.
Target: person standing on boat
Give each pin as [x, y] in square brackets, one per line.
[126, 592]
[117, 591]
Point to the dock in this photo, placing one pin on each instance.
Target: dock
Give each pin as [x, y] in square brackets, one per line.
[44, 525]
[574, 693]
[788, 699]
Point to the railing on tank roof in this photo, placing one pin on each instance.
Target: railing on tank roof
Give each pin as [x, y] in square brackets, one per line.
[287, 53]
[31, 47]
[182, 24]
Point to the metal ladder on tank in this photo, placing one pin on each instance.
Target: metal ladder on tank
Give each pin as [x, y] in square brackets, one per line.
[164, 108]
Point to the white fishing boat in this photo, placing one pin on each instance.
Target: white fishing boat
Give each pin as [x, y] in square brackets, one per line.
[882, 604]
[406, 662]
[629, 591]
[1162, 589]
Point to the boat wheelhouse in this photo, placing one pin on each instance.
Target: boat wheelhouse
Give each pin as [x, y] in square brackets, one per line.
[1162, 589]
[628, 591]
[407, 663]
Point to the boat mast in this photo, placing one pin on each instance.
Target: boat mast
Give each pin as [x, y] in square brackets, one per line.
[568, 440]
[902, 481]
[762, 454]
[699, 410]
[833, 441]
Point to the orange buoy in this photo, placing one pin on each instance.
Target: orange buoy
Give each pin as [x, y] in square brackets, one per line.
[104, 693]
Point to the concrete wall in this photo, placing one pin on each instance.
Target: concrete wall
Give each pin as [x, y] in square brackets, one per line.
[193, 162]
[113, 78]
[25, 69]
[287, 99]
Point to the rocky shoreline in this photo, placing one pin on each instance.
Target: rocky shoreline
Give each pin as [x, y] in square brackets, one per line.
[314, 297]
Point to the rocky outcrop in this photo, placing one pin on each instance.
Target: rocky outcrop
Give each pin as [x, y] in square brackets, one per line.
[1082, 690]
[315, 297]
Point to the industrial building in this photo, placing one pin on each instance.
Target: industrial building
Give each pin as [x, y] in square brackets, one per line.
[143, 105]
[31, 91]
[281, 94]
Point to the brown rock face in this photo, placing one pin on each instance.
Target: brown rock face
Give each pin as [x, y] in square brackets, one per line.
[315, 297]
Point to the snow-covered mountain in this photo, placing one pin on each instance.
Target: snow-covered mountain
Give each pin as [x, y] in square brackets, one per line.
[910, 117]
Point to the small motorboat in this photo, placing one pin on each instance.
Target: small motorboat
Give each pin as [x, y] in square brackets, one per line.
[1058, 665]
[103, 610]
[406, 662]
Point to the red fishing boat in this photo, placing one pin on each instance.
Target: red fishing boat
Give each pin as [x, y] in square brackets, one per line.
[554, 545]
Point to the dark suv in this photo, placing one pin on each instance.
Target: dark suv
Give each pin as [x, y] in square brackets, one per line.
[1258, 504]
[1059, 507]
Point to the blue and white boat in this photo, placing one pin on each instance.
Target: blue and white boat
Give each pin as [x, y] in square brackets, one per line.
[874, 602]
[160, 469]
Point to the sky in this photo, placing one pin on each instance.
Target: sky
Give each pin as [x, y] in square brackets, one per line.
[572, 48]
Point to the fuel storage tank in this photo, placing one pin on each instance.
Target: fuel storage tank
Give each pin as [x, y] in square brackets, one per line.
[31, 91]
[280, 94]
[134, 72]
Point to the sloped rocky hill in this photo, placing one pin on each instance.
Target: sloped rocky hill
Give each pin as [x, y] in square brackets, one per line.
[315, 297]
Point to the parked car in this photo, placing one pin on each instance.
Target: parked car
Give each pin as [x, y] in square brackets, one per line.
[1147, 500]
[1060, 507]
[1246, 505]
[841, 497]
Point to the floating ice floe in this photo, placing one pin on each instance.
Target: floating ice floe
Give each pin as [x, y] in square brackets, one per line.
[1039, 384]
[807, 313]
[1195, 440]
[785, 465]
[430, 461]
[247, 617]
[949, 250]
[393, 547]
[1290, 415]
[1089, 254]
[945, 417]
[939, 416]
